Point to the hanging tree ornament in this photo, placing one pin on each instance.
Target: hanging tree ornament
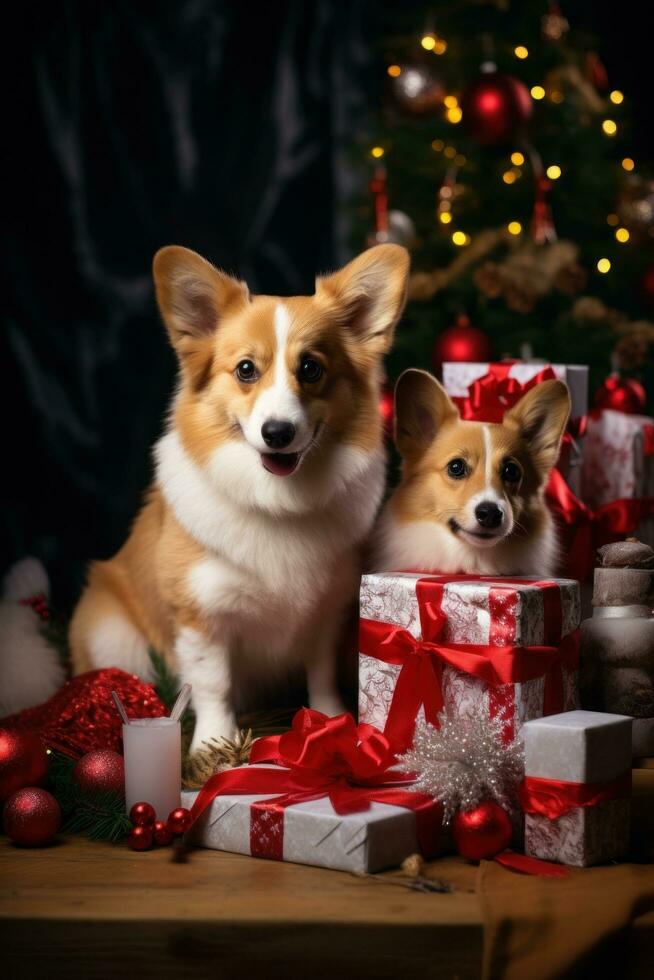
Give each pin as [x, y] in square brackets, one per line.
[416, 86]
[543, 231]
[496, 107]
[553, 24]
[461, 342]
[390, 226]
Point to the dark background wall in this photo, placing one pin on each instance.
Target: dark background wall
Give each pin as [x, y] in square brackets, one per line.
[227, 127]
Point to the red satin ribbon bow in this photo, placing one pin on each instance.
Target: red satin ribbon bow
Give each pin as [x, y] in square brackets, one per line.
[419, 683]
[320, 757]
[586, 530]
[552, 798]
[492, 395]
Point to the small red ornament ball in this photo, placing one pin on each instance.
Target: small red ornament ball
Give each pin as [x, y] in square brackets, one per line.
[386, 409]
[102, 770]
[23, 761]
[179, 820]
[142, 815]
[162, 834]
[482, 832]
[31, 817]
[494, 107]
[461, 342]
[140, 838]
[622, 395]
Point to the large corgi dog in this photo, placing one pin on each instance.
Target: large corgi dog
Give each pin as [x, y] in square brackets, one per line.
[246, 554]
[471, 496]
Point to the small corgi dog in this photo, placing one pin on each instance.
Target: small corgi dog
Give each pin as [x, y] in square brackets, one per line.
[471, 498]
[246, 556]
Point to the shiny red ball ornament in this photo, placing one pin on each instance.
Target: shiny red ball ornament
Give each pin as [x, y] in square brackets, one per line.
[100, 771]
[179, 820]
[31, 817]
[621, 395]
[162, 834]
[23, 761]
[495, 106]
[482, 832]
[386, 409]
[142, 815]
[140, 838]
[461, 342]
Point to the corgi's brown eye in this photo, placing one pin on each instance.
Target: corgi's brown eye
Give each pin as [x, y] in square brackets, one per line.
[510, 472]
[457, 469]
[309, 371]
[246, 371]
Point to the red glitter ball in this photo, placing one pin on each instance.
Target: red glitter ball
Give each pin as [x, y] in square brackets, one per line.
[102, 770]
[31, 817]
[23, 761]
[162, 835]
[140, 838]
[179, 820]
[142, 815]
[482, 832]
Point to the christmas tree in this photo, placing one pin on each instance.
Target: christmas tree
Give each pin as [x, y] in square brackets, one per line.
[502, 159]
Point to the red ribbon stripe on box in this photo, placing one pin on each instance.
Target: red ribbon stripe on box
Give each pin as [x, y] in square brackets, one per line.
[320, 756]
[552, 798]
[498, 663]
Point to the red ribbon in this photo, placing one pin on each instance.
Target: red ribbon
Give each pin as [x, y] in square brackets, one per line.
[492, 395]
[321, 756]
[585, 530]
[419, 683]
[552, 798]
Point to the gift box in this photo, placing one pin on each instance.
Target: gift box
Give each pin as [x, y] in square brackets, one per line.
[618, 464]
[499, 646]
[577, 787]
[330, 798]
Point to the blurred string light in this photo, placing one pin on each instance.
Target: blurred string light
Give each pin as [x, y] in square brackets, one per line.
[517, 159]
[612, 219]
[460, 238]
[445, 217]
[610, 127]
[441, 46]
[628, 164]
[538, 92]
[521, 52]
[510, 176]
[450, 102]
[437, 145]
[616, 97]
[449, 152]
[428, 42]
[622, 235]
[394, 71]
[454, 115]
[553, 172]
[603, 266]
[556, 97]
[377, 152]
[459, 160]
[514, 227]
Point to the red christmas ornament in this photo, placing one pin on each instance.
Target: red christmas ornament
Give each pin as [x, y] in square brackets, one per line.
[386, 409]
[162, 835]
[102, 770]
[494, 107]
[621, 395]
[31, 817]
[142, 815]
[461, 342]
[140, 838]
[482, 832]
[179, 820]
[23, 761]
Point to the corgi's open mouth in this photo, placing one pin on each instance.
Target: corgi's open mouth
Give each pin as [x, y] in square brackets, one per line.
[456, 528]
[281, 464]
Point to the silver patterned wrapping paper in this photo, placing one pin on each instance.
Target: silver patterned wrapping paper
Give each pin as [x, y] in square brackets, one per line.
[313, 833]
[579, 747]
[390, 597]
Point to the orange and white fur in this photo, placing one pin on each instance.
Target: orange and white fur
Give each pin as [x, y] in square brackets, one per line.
[471, 497]
[246, 555]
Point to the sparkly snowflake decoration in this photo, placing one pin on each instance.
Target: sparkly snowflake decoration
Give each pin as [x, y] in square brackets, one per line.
[464, 762]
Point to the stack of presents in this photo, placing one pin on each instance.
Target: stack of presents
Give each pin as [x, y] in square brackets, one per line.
[329, 792]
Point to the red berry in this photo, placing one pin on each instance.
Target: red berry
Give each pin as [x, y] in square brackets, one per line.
[179, 820]
[162, 835]
[140, 838]
[142, 815]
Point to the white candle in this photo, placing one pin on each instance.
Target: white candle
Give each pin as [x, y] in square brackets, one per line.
[153, 764]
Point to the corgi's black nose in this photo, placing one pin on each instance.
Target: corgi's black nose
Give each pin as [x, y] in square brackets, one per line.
[488, 514]
[278, 433]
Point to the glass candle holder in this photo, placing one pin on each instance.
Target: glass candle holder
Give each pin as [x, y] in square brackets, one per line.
[153, 764]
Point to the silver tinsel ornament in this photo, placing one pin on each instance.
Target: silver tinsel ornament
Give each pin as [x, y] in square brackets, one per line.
[464, 762]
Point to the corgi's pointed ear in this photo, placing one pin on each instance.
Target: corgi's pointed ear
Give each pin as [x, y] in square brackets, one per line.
[421, 407]
[541, 416]
[368, 295]
[193, 297]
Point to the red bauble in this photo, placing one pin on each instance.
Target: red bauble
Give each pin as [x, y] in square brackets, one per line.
[179, 820]
[23, 761]
[140, 838]
[621, 395]
[386, 410]
[142, 815]
[100, 771]
[494, 107]
[461, 342]
[162, 834]
[482, 832]
[31, 817]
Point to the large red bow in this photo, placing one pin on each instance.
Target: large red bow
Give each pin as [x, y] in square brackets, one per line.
[492, 395]
[552, 798]
[322, 756]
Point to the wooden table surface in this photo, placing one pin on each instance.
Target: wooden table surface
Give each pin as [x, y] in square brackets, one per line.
[82, 909]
